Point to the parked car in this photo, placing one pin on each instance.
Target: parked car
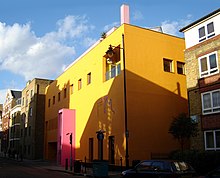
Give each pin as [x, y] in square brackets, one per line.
[160, 169]
[214, 174]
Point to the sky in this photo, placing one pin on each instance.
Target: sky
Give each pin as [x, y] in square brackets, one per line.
[40, 38]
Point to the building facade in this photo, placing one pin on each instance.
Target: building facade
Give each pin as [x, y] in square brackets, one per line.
[32, 119]
[202, 56]
[1, 126]
[11, 97]
[1, 133]
[14, 128]
[131, 96]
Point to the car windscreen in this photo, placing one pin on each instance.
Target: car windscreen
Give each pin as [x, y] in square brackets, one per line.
[181, 166]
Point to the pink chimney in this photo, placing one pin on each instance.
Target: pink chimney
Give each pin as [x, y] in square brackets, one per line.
[125, 14]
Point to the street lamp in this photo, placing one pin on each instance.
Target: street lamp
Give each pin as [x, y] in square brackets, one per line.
[71, 154]
[110, 53]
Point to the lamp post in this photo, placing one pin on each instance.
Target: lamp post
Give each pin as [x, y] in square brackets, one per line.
[110, 54]
[71, 154]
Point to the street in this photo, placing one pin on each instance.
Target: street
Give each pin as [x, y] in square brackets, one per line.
[10, 168]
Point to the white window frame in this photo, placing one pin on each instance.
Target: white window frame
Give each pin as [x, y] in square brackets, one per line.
[206, 36]
[214, 137]
[209, 71]
[212, 109]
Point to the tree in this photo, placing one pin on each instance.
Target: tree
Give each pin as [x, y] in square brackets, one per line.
[182, 128]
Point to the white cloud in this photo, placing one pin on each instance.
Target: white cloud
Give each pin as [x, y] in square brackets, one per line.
[173, 27]
[170, 27]
[23, 53]
[110, 26]
[88, 41]
[137, 15]
[2, 96]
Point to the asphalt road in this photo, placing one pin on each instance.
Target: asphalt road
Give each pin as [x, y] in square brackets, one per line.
[10, 168]
[14, 169]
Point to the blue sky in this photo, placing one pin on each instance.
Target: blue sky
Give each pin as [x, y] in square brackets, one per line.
[39, 38]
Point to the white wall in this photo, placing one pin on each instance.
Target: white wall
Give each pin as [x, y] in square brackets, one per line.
[192, 35]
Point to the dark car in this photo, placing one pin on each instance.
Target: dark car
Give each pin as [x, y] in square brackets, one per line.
[214, 174]
[161, 169]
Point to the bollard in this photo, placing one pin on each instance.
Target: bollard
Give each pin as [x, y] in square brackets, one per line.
[66, 164]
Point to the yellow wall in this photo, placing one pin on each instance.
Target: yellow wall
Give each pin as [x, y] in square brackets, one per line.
[152, 95]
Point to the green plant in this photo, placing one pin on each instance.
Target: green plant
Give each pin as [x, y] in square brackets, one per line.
[182, 128]
[103, 35]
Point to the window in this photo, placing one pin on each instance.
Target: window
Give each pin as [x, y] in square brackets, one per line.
[206, 32]
[49, 103]
[71, 89]
[144, 166]
[180, 68]
[208, 64]
[112, 70]
[59, 96]
[53, 99]
[64, 95]
[211, 102]
[27, 96]
[210, 29]
[202, 34]
[32, 93]
[158, 165]
[79, 84]
[30, 111]
[88, 78]
[25, 132]
[167, 65]
[112, 63]
[29, 133]
[212, 140]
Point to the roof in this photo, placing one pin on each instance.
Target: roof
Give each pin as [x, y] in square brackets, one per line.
[199, 20]
[16, 94]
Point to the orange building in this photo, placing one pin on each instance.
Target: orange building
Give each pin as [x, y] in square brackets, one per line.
[134, 110]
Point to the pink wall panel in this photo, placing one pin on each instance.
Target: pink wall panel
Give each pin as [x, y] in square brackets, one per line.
[66, 126]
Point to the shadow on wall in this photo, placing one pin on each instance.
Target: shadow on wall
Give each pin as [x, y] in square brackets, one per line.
[151, 109]
[57, 98]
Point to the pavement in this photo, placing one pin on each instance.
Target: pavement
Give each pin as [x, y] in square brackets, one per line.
[52, 166]
[88, 172]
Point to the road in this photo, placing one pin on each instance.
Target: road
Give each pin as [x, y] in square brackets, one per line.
[10, 168]
[14, 169]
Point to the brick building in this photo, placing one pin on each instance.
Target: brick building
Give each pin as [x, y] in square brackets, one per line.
[10, 102]
[202, 56]
[1, 133]
[32, 119]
